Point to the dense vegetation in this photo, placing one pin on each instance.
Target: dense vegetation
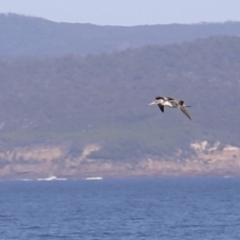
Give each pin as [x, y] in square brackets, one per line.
[74, 100]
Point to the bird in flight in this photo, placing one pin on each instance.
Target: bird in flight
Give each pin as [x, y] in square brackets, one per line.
[171, 102]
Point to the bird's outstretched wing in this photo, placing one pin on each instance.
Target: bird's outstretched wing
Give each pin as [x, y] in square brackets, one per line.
[161, 107]
[184, 111]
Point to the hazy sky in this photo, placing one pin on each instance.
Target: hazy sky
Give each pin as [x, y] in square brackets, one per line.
[127, 12]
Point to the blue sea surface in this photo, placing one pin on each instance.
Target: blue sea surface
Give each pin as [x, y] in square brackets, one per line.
[196, 209]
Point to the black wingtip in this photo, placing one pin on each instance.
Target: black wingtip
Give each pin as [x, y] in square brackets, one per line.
[161, 107]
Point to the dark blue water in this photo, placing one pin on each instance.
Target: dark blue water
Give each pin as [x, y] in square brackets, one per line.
[183, 209]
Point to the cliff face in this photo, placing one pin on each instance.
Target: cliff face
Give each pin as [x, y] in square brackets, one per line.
[44, 161]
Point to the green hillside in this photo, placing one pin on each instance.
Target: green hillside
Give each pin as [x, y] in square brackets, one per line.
[75, 100]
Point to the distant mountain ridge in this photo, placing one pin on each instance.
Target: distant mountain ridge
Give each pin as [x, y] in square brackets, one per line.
[21, 35]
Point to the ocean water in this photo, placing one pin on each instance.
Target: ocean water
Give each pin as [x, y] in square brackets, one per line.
[196, 209]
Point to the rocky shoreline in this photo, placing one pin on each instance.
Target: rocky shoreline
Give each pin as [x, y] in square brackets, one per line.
[46, 161]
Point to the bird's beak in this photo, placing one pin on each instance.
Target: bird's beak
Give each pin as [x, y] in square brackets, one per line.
[152, 103]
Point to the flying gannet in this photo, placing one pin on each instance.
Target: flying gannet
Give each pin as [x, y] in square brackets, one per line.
[170, 102]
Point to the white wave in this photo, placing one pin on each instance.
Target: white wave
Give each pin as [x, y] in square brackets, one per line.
[26, 179]
[93, 178]
[51, 178]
